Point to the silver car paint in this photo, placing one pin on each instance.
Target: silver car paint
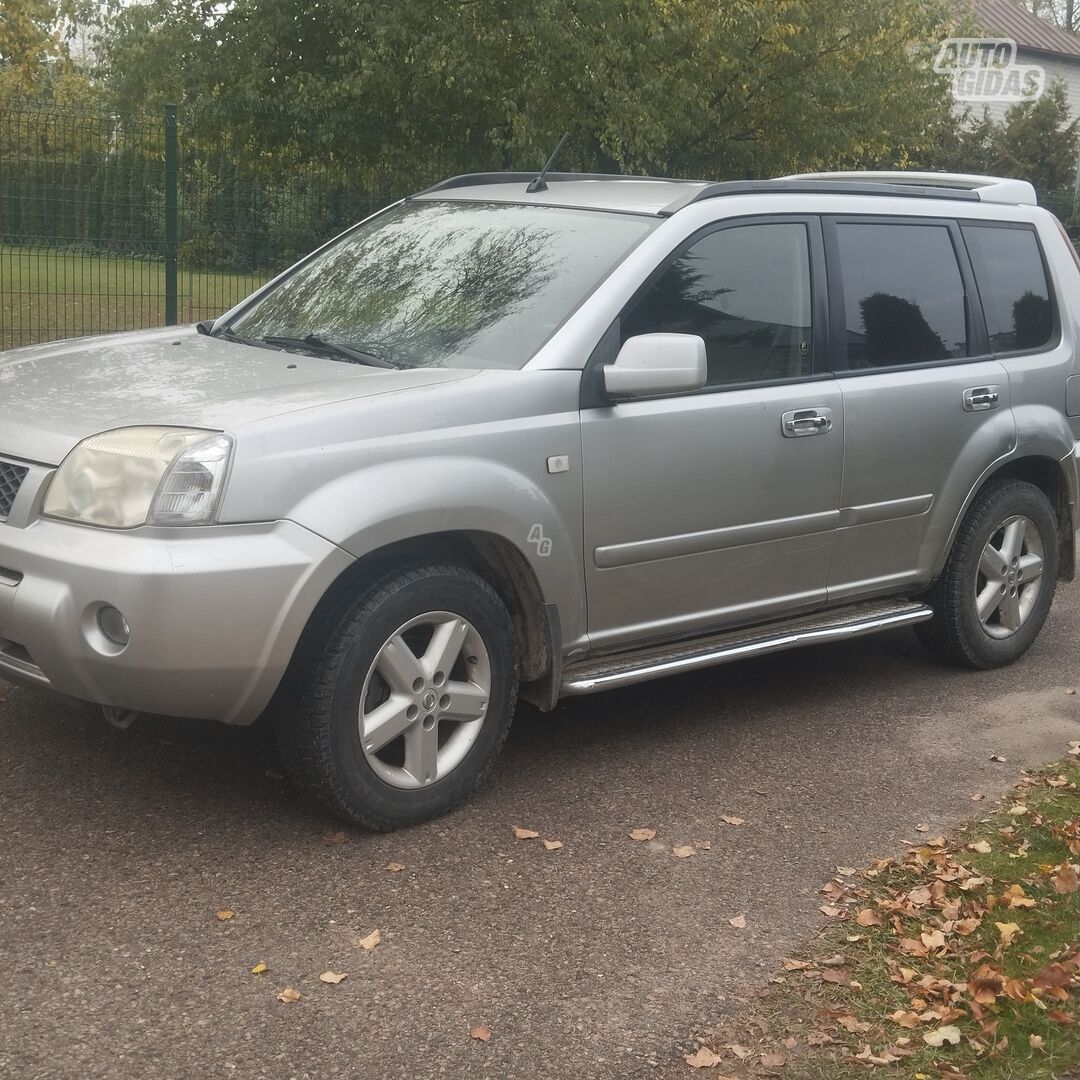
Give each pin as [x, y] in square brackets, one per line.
[674, 515]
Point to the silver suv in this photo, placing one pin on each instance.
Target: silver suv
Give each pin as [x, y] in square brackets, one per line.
[541, 439]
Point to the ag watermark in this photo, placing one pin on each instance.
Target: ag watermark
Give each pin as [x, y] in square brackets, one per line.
[989, 69]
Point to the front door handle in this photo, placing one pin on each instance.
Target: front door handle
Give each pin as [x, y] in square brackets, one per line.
[798, 423]
[981, 398]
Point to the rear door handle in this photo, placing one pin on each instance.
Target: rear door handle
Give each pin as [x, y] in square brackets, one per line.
[981, 398]
[798, 423]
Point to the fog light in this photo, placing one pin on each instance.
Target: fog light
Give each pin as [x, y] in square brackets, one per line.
[113, 625]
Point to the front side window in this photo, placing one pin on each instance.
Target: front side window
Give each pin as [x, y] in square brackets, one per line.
[1012, 285]
[746, 291]
[903, 294]
[449, 284]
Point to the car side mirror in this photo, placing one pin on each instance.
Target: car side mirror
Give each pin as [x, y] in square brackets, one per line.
[652, 364]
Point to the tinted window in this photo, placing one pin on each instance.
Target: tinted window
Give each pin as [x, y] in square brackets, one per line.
[903, 294]
[746, 291]
[1012, 286]
[450, 284]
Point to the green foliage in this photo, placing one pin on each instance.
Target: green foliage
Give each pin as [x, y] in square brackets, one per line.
[1037, 141]
[682, 86]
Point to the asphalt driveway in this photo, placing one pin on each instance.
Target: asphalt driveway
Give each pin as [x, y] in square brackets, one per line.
[593, 960]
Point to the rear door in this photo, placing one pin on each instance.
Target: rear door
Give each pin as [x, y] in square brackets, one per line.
[926, 408]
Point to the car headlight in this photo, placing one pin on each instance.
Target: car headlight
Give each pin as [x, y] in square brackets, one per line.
[141, 476]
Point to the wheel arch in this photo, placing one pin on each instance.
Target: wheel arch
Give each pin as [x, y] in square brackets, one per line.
[494, 558]
[1050, 476]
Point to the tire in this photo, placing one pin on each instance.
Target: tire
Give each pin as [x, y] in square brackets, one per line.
[1002, 511]
[376, 666]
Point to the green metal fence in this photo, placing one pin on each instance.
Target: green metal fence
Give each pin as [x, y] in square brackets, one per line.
[111, 221]
[117, 222]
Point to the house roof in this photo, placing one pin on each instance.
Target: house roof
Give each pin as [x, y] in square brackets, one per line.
[1010, 19]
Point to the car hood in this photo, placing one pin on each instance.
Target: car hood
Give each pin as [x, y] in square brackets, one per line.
[52, 396]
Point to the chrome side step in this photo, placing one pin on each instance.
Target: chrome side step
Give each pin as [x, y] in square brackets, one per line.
[625, 669]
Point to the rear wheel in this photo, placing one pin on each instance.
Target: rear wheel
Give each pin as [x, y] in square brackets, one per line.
[996, 589]
[407, 702]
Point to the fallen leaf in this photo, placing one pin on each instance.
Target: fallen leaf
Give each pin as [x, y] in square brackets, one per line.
[791, 1042]
[339, 836]
[1066, 880]
[797, 965]
[1019, 810]
[948, 1034]
[642, 834]
[259, 968]
[525, 834]
[981, 846]
[370, 941]
[934, 939]
[922, 828]
[868, 917]
[838, 978]
[225, 915]
[996, 757]
[1036, 1041]
[553, 845]
[682, 851]
[481, 1034]
[1074, 748]
[905, 1019]
[731, 819]
[849, 1023]
[937, 841]
[702, 1058]
[1059, 1016]
[289, 994]
[831, 910]
[395, 867]
[332, 977]
[1053, 976]
[1070, 691]
[1009, 932]
[741, 1052]
[774, 1060]
[739, 922]
[978, 797]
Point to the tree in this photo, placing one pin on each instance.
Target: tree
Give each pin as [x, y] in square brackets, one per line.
[740, 88]
[33, 39]
[1037, 141]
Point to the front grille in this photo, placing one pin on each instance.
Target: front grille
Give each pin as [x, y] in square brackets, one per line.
[11, 478]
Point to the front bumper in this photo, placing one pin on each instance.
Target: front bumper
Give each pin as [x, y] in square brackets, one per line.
[214, 612]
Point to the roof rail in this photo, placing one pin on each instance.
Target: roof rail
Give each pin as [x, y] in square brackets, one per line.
[989, 189]
[825, 185]
[476, 179]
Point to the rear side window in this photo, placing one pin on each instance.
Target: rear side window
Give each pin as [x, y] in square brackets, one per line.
[903, 294]
[1012, 284]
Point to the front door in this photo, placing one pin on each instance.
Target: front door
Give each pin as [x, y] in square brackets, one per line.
[718, 507]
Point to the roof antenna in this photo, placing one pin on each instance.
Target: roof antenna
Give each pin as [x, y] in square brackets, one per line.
[538, 183]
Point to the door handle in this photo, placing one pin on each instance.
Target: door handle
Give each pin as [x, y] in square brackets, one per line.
[798, 423]
[981, 398]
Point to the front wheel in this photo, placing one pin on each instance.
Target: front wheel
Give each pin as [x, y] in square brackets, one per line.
[996, 589]
[407, 702]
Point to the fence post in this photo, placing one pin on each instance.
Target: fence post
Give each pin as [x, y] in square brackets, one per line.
[171, 214]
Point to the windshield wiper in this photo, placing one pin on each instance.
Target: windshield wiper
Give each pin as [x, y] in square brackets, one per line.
[312, 342]
[227, 334]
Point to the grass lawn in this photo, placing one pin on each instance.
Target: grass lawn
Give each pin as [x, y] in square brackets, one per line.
[49, 293]
[960, 961]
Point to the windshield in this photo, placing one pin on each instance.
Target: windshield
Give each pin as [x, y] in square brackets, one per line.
[449, 284]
